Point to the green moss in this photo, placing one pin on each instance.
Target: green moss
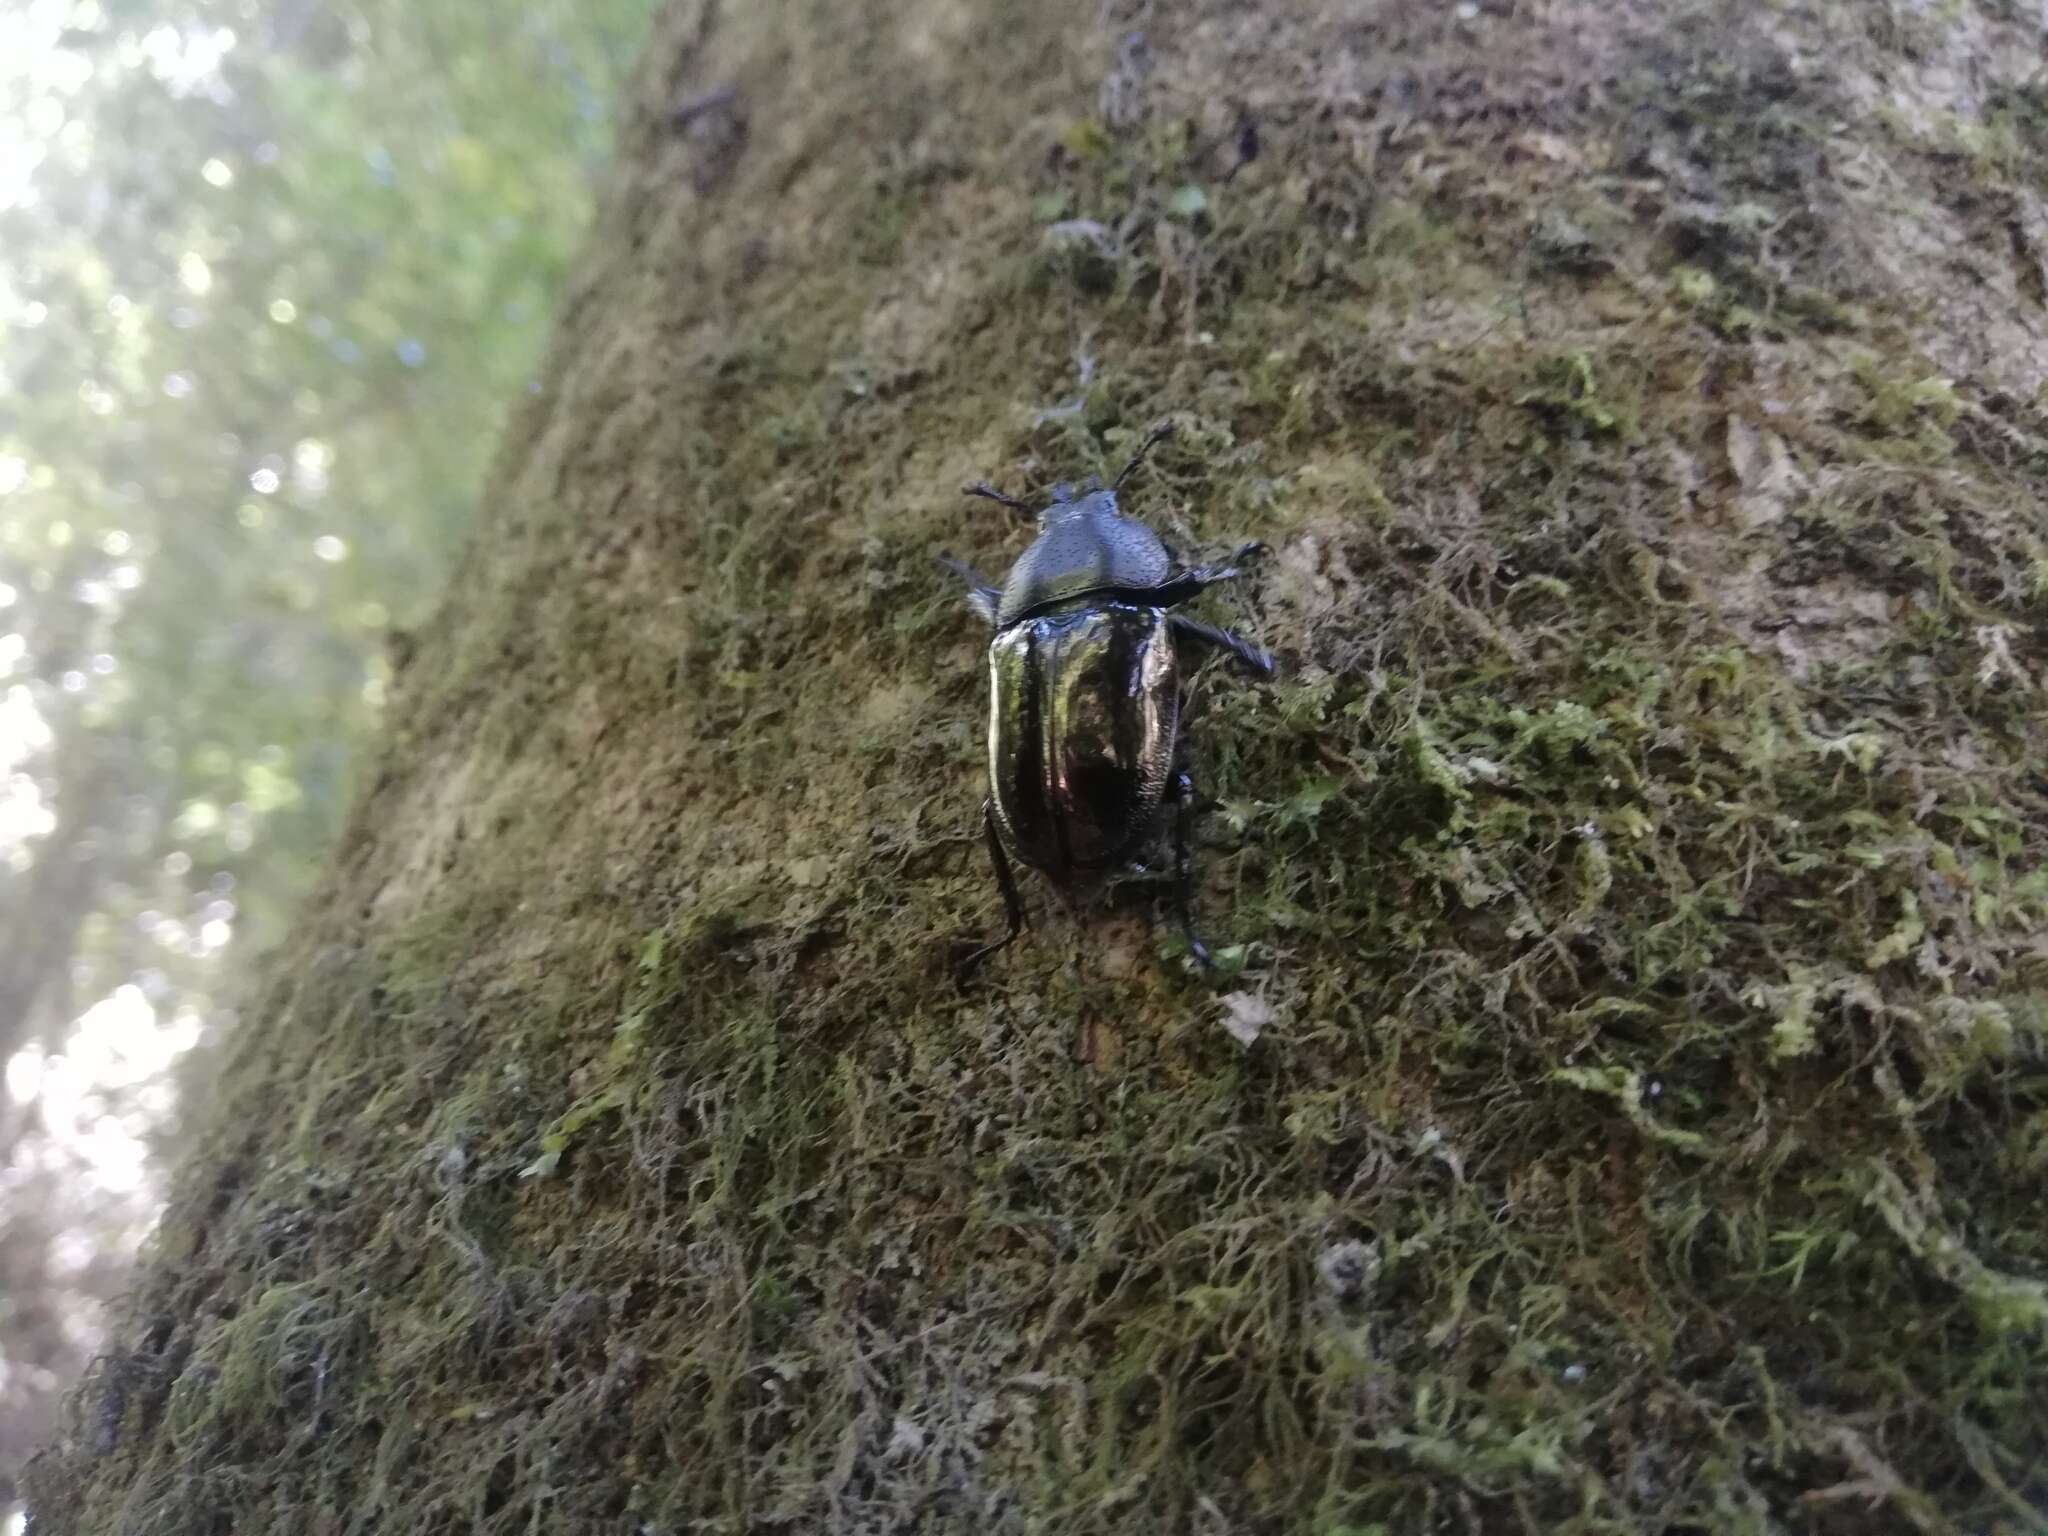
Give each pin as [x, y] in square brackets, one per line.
[1640, 867]
[1568, 389]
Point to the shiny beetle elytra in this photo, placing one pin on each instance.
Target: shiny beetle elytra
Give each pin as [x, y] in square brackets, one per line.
[1085, 675]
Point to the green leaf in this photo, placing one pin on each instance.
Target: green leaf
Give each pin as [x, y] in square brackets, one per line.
[556, 1139]
[1086, 138]
[650, 951]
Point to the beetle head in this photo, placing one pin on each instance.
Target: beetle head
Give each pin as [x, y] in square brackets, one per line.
[1091, 498]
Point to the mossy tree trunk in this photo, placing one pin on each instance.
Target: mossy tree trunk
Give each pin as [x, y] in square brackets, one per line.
[1636, 874]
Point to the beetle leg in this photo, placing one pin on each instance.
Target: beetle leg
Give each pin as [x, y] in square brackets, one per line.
[1185, 587]
[1013, 905]
[981, 597]
[1209, 575]
[1156, 436]
[1183, 791]
[1256, 658]
[988, 492]
[1190, 584]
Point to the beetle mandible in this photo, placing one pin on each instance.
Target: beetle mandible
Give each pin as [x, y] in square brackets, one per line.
[1085, 693]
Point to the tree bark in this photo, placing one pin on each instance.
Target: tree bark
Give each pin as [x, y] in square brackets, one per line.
[1630, 1115]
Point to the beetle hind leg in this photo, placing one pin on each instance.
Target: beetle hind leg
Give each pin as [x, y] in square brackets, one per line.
[1013, 904]
[1182, 788]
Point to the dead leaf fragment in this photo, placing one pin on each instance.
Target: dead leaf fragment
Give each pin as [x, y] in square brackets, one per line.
[1246, 1016]
[809, 873]
[1995, 642]
[1766, 478]
[1537, 145]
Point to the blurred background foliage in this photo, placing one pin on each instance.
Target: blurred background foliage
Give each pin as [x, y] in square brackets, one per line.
[270, 273]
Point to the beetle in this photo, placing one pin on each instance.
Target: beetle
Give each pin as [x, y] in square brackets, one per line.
[1084, 744]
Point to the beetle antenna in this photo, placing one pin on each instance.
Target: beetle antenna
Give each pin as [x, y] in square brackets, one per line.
[984, 489]
[1157, 435]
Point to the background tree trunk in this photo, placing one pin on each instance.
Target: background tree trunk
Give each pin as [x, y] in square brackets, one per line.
[1637, 874]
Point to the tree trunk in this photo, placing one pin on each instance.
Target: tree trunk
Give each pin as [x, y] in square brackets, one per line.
[1630, 895]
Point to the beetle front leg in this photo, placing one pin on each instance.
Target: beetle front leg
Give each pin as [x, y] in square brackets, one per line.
[1208, 575]
[1157, 435]
[1182, 789]
[1191, 584]
[1013, 905]
[988, 492]
[981, 596]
